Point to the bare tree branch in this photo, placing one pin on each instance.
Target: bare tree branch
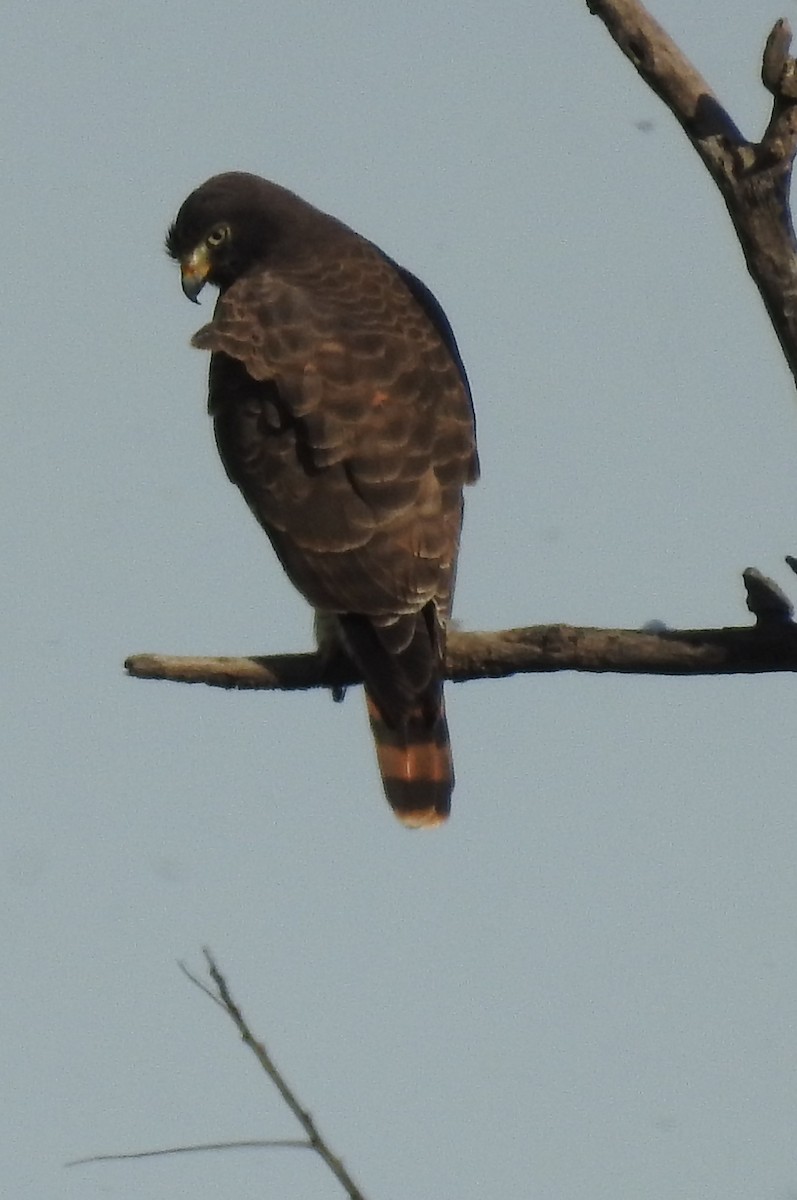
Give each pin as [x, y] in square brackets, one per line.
[768, 646]
[254, 1144]
[754, 178]
[535, 650]
[313, 1140]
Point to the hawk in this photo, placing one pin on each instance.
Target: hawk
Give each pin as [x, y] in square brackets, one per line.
[342, 411]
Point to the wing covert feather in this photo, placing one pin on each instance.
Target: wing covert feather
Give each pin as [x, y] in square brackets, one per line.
[347, 426]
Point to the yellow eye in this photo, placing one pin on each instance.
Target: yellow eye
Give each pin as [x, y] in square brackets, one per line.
[218, 235]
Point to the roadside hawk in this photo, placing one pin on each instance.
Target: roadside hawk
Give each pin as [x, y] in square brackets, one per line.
[343, 413]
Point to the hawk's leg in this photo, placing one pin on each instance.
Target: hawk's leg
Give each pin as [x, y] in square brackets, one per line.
[330, 648]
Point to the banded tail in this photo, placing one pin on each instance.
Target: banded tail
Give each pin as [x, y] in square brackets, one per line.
[414, 758]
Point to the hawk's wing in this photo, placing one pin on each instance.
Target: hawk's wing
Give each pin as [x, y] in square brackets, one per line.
[342, 412]
[343, 419]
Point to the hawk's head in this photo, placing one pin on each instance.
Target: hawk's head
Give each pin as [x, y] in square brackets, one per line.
[233, 223]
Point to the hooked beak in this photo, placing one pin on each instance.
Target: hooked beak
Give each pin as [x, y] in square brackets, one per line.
[194, 271]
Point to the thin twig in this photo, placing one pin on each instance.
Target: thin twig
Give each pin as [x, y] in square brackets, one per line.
[259, 1144]
[314, 1139]
[203, 987]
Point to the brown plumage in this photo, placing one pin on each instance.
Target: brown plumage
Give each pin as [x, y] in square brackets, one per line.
[342, 411]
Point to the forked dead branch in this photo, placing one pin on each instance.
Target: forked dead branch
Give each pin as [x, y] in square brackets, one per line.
[754, 178]
[313, 1140]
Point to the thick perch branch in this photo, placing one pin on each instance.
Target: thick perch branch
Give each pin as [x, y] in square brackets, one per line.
[754, 178]
[769, 645]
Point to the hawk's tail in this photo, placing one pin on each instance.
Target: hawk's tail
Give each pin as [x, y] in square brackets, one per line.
[414, 759]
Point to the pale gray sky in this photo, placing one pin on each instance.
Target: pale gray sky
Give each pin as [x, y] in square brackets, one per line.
[583, 987]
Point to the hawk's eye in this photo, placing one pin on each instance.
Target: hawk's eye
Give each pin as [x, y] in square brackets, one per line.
[218, 235]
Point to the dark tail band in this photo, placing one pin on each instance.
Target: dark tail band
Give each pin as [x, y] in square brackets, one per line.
[415, 764]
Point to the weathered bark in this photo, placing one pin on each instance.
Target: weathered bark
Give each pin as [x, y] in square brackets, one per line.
[769, 645]
[753, 177]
